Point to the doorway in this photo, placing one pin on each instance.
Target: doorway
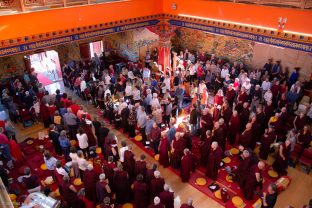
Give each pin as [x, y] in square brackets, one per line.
[88, 50]
[47, 66]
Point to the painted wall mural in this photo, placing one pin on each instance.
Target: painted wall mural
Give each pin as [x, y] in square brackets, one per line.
[131, 45]
[223, 46]
[235, 49]
[11, 65]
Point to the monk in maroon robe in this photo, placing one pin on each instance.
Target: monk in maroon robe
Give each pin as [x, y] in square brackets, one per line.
[218, 134]
[281, 162]
[253, 180]
[268, 111]
[234, 125]
[205, 148]
[88, 130]
[214, 160]
[122, 185]
[224, 128]
[69, 194]
[267, 139]
[304, 138]
[245, 138]
[140, 166]
[129, 162]
[186, 166]
[150, 173]
[164, 148]
[243, 168]
[244, 116]
[206, 122]
[226, 113]
[102, 188]
[177, 148]
[157, 185]
[90, 177]
[300, 121]
[167, 197]
[108, 169]
[256, 132]
[140, 190]
[230, 95]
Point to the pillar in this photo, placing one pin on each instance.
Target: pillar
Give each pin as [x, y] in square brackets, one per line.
[164, 54]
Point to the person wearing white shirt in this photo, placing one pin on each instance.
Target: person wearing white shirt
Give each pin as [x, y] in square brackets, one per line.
[122, 150]
[82, 163]
[107, 79]
[265, 85]
[167, 83]
[201, 87]
[194, 91]
[155, 101]
[122, 105]
[136, 94]
[224, 71]
[59, 169]
[82, 141]
[268, 95]
[83, 85]
[247, 85]
[128, 90]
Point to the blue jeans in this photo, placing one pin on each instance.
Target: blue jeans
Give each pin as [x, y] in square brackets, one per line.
[193, 129]
[6, 151]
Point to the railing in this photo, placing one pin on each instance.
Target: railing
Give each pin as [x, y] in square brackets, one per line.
[15, 6]
[302, 4]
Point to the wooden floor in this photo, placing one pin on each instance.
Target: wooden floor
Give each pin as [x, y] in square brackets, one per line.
[298, 193]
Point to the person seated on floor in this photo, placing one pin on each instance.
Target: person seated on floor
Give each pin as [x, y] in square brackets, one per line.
[31, 181]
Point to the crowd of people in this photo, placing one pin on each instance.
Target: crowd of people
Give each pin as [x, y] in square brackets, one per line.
[224, 104]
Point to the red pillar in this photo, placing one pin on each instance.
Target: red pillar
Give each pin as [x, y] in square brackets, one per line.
[164, 55]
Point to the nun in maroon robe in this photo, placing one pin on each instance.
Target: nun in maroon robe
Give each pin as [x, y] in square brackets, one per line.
[140, 166]
[234, 125]
[226, 113]
[140, 190]
[150, 173]
[205, 148]
[253, 180]
[90, 177]
[129, 162]
[122, 185]
[214, 160]
[281, 162]
[245, 138]
[164, 148]
[267, 139]
[186, 166]
[300, 121]
[167, 197]
[157, 185]
[177, 146]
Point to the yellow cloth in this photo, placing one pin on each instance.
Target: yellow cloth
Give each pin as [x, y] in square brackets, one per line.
[57, 120]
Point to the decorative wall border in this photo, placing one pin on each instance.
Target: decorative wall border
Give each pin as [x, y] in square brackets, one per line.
[306, 47]
[75, 37]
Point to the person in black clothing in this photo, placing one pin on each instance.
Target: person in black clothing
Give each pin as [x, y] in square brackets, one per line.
[269, 199]
[103, 132]
[193, 119]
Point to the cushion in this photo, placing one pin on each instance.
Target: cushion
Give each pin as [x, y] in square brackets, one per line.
[229, 179]
[138, 138]
[43, 166]
[201, 181]
[237, 201]
[218, 194]
[127, 205]
[77, 182]
[234, 151]
[226, 160]
[156, 157]
[272, 174]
